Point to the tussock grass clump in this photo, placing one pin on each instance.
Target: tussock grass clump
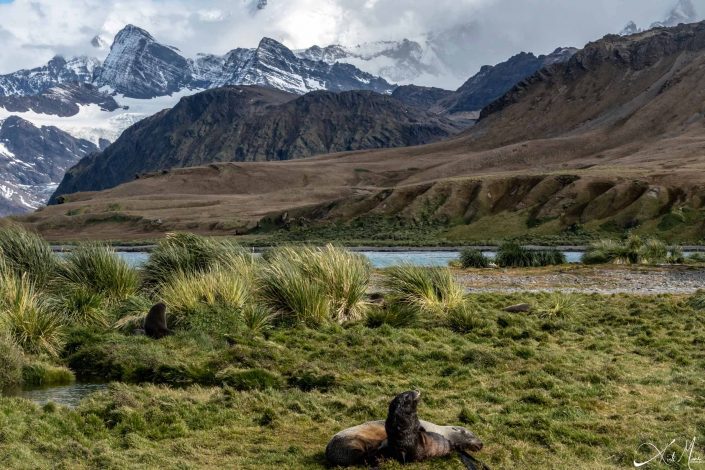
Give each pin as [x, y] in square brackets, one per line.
[653, 251]
[473, 258]
[187, 294]
[431, 290]
[515, 256]
[557, 304]
[394, 315]
[294, 297]
[96, 269]
[11, 362]
[676, 256]
[28, 321]
[316, 284]
[26, 253]
[550, 257]
[80, 306]
[40, 373]
[605, 251]
[466, 317]
[257, 319]
[634, 250]
[189, 254]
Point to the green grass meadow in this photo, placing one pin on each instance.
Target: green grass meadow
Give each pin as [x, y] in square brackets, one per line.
[271, 357]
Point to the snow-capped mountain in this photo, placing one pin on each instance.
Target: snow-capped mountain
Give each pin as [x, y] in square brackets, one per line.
[33, 161]
[683, 12]
[140, 67]
[273, 65]
[56, 72]
[92, 102]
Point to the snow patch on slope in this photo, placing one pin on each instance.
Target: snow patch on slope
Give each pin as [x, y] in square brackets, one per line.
[92, 123]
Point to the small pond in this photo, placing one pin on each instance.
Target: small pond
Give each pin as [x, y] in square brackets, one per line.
[67, 395]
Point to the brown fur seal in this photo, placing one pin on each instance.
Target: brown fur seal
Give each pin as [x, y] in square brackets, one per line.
[410, 439]
[155, 323]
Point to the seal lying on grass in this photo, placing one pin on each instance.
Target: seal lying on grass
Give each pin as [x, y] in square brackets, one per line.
[402, 437]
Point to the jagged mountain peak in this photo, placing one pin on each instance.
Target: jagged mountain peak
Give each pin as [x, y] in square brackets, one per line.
[99, 42]
[131, 32]
[140, 67]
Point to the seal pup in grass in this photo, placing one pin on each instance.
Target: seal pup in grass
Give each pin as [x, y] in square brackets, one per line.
[402, 436]
[155, 323]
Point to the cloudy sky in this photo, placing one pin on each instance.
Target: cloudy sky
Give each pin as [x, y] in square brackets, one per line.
[482, 31]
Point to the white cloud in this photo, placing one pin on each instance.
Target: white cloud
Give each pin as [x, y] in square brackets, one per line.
[485, 31]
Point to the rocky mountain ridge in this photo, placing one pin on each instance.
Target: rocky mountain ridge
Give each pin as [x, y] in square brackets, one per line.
[246, 123]
[608, 142]
[33, 161]
[138, 66]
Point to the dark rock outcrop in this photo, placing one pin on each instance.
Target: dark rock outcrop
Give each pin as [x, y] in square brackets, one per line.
[236, 124]
[421, 96]
[61, 100]
[491, 82]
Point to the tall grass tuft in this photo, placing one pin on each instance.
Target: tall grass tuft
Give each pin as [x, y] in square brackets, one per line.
[550, 257]
[27, 320]
[96, 269]
[431, 290]
[293, 296]
[188, 254]
[27, 254]
[513, 255]
[473, 258]
[341, 276]
[676, 256]
[466, 317]
[188, 294]
[634, 250]
[558, 304]
[11, 362]
[653, 251]
[80, 306]
[257, 319]
[605, 251]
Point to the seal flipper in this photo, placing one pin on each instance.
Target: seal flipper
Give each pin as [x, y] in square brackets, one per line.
[471, 463]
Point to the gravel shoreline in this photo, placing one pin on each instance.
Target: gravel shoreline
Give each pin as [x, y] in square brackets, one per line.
[600, 280]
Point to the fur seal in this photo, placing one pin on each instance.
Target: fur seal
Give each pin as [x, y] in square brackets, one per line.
[155, 323]
[402, 437]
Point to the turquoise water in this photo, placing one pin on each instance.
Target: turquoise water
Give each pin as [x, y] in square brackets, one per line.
[379, 259]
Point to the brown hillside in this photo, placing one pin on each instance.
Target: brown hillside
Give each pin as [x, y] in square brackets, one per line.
[613, 138]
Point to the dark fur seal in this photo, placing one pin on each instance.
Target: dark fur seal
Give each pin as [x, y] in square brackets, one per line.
[402, 437]
[155, 323]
